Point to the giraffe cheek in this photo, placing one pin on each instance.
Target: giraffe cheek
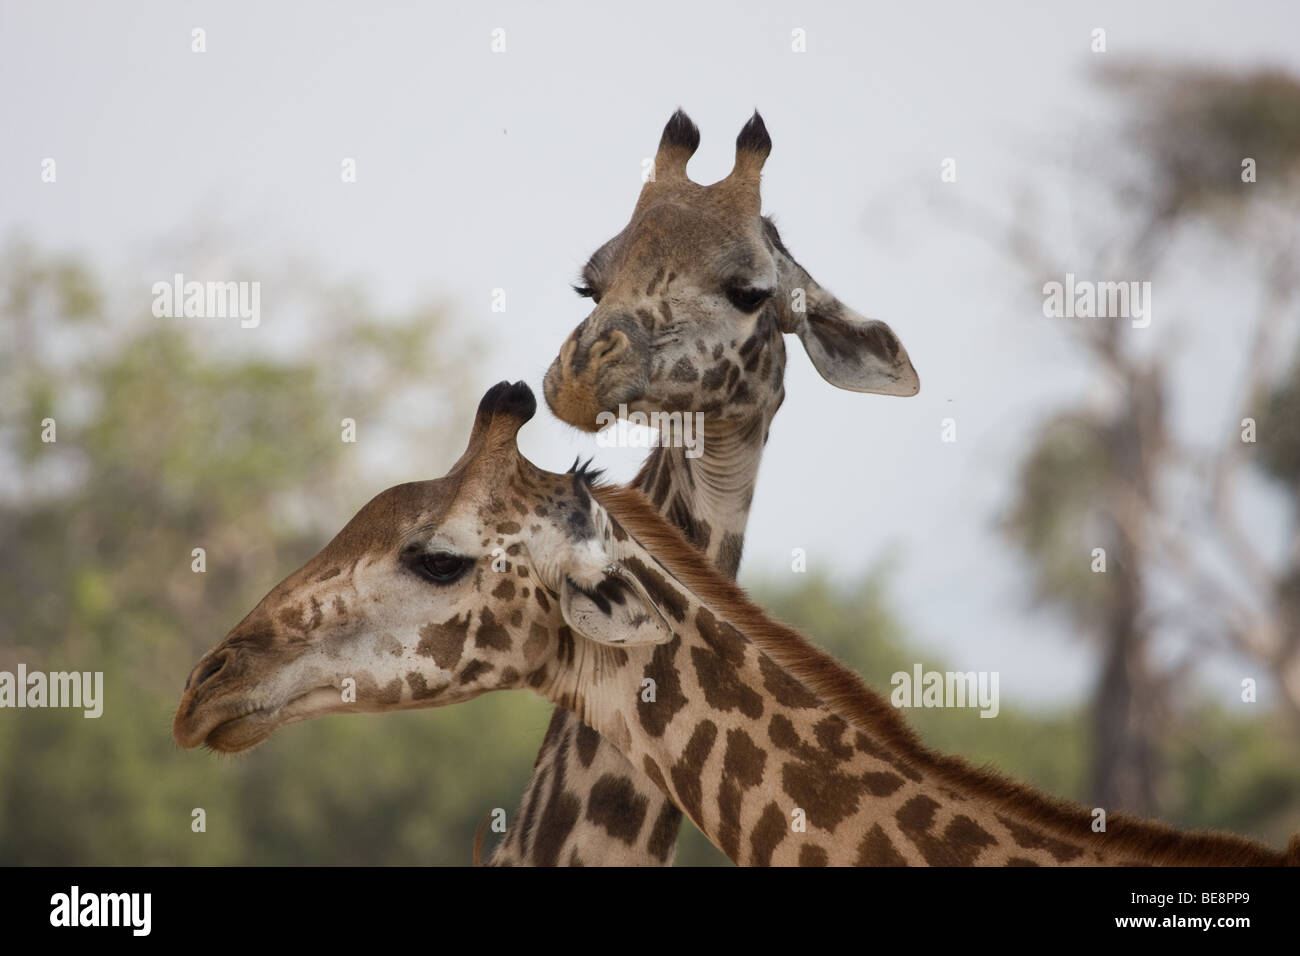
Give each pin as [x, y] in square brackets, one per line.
[444, 642]
[375, 693]
[536, 644]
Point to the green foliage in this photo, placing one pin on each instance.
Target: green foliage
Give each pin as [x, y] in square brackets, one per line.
[1234, 773]
[1279, 431]
[1058, 515]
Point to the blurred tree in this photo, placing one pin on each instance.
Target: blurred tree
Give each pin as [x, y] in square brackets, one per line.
[1087, 484]
[1216, 157]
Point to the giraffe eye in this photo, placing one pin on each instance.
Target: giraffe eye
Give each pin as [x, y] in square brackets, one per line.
[587, 292]
[747, 298]
[440, 567]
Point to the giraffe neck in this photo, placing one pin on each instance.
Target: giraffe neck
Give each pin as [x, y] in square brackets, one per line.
[761, 766]
[780, 756]
[708, 498]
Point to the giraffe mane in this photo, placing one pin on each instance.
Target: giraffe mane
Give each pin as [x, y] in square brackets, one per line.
[848, 696]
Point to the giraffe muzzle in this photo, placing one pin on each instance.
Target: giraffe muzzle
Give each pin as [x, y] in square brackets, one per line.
[588, 378]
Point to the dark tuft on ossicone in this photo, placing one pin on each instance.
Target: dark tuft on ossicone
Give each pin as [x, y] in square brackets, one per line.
[680, 133]
[754, 138]
[503, 398]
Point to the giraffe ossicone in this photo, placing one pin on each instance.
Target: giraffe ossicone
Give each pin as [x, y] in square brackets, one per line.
[753, 727]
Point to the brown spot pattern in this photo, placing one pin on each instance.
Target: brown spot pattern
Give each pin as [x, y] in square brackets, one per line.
[813, 779]
[686, 772]
[767, 834]
[557, 819]
[444, 642]
[615, 805]
[474, 670]
[869, 747]
[669, 699]
[536, 642]
[390, 693]
[664, 595]
[587, 741]
[663, 835]
[724, 639]
[785, 689]
[958, 845]
[810, 855]
[876, 850]
[419, 689]
[742, 768]
[722, 685]
[490, 633]
[1032, 839]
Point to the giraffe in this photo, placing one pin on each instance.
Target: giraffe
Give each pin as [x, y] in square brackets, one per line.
[503, 576]
[692, 299]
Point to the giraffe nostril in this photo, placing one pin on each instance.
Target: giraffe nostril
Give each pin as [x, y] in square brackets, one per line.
[212, 670]
[616, 344]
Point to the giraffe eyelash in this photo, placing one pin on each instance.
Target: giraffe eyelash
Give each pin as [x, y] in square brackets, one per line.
[748, 298]
[587, 292]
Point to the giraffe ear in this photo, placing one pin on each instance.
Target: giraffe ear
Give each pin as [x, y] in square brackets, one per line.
[855, 353]
[615, 611]
[848, 350]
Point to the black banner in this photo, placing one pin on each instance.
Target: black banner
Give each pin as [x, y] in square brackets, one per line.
[339, 905]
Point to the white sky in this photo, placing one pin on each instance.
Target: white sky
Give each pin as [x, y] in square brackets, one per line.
[481, 170]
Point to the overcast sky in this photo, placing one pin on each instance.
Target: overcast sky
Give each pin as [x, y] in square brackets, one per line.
[479, 171]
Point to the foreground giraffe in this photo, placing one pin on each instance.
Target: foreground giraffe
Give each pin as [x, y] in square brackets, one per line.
[692, 300]
[502, 576]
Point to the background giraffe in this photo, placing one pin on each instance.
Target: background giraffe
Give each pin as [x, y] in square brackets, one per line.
[778, 753]
[692, 298]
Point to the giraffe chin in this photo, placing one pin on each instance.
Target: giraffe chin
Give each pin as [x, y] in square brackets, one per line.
[587, 413]
[575, 404]
[247, 731]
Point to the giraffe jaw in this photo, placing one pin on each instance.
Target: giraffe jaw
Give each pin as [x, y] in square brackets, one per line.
[247, 727]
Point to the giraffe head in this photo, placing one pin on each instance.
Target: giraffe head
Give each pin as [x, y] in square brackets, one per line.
[692, 299]
[435, 592]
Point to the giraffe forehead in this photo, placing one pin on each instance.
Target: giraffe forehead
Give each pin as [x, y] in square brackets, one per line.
[703, 235]
[529, 494]
[461, 512]
[385, 521]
